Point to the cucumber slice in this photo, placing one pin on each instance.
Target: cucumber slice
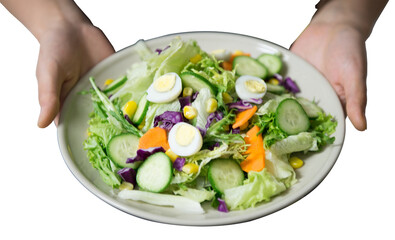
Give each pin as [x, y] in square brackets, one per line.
[122, 147]
[246, 65]
[291, 117]
[116, 84]
[196, 82]
[277, 89]
[141, 110]
[272, 62]
[224, 174]
[312, 109]
[155, 174]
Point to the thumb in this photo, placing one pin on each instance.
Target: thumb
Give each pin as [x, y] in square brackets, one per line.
[47, 73]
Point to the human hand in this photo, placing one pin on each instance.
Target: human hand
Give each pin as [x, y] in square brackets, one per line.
[67, 51]
[338, 51]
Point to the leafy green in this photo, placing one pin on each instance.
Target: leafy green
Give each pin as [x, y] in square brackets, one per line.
[99, 160]
[303, 141]
[279, 166]
[112, 112]
[258, 187]
[323, 127]
[199, 195]
[216, 132]
[156, 109]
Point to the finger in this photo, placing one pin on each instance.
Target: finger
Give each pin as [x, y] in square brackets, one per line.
[355, 96]
[48, 90]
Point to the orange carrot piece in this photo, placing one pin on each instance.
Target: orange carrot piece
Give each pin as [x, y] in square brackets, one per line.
[227, 65]
[155, 137]
[255, 161]
[244, 116]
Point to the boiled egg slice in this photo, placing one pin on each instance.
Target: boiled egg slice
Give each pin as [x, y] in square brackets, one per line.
[165, 88]
[185, 139]
[248, 87]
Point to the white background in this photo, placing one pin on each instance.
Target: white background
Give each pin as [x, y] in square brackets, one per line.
[41, 199]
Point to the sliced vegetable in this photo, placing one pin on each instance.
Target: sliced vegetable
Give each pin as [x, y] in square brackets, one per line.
[196, 82]
[141, 111]
[114, 85]
[291, 117]
[244, 116]
[122, 147]
[311, 108]
[143, 154]
[180, 203]
[155, 174]
[154, 137]
[128, 175]
[246, 65]
[255, 160]
[277, 89]
[168, 119]
[224, 173]
[272, 62]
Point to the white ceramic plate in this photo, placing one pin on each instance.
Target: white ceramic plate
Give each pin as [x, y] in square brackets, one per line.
[74, 116]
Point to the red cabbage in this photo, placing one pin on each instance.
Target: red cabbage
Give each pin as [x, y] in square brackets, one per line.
[194, 96]
[159, 51]
[128, 175]
[143, 154]
[213, 146]
[217, 115]
[168, 119]
[240, 105]
[222, 206]
[290, 85]
[127, 118]
[185, 101]
[235, 130]
[179, 163]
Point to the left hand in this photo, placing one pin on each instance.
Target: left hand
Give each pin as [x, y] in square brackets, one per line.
[338, 51]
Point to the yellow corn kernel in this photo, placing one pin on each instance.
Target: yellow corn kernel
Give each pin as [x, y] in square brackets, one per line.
[273, 81]
[142, 124]
[187, 91]
[108, 82]
[226, 128]
[126, 186]
[130, 108]
[211, 105]
[244, 126]
[88, 132]
[195, 58]
[238, 52]
[190, 112]
[226, 98]
[296, 162]
[171, 155]
[190, 168]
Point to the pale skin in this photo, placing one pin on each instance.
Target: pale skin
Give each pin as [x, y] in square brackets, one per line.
[334, 42]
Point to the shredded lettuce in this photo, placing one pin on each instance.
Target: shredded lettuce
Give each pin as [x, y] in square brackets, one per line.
[258, 187]
[279, 166]
[198, 195]
[200, 105]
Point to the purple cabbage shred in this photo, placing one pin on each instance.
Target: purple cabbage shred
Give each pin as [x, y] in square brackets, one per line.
[168, 119]
[235, 131]
[127, 118]
[179, 163]
[222, 206]
[143, 154]
[217, 115]
[194, 95]
[290, 85]
[185, 101]
[159, 51]
[128, 175]
[213, 146]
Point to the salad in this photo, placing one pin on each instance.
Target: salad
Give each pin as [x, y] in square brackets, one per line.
[184, 126]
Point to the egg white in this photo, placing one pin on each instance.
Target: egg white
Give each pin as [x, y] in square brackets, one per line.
[184, 151]
[243, 92]
[164, 97]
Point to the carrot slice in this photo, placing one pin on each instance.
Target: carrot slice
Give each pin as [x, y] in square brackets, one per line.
[155, 137]
[244, 116]
[227, 65]
[238, 53]
[255, 161]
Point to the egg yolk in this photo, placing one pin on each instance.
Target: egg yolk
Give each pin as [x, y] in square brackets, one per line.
[185, 135]
[254, 86]
[165, 83]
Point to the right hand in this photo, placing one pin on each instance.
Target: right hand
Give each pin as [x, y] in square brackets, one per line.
[67, 51]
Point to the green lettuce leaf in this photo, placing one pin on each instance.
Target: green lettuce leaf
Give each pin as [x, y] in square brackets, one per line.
[99, 160]
[303, 141]
[258, 187]
[156, 109]
[198, 195]
[279, 166]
